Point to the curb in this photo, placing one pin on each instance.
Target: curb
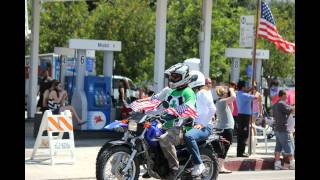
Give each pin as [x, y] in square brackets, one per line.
[249, 164]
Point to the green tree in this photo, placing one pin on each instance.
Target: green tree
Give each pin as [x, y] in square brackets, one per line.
[59, 21]
[132, 23]
[183, 25]
[225, 34]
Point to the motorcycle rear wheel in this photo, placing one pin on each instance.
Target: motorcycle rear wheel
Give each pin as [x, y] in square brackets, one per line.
[210, 160]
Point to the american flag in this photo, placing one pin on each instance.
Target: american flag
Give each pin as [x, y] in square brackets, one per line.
[145, 105]
[268, 30]
[183, 111]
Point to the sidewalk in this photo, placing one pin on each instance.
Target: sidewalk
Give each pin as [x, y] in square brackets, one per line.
[259, 161]
[88, 148]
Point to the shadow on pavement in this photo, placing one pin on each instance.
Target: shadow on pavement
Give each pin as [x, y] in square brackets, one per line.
[89, 178]
[84, 140]
[29, 142]
[38, 161]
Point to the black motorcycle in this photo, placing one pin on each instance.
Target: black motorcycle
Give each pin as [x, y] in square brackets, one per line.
[139, 146]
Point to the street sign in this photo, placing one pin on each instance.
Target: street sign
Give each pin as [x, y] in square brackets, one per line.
[102, 45]
[235, 69]
[246, 53]
[246, 31]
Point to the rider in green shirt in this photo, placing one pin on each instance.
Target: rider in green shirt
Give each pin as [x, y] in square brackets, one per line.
[182, 102]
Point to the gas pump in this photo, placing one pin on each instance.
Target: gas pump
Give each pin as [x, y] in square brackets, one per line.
[68, 70]
[91, 96]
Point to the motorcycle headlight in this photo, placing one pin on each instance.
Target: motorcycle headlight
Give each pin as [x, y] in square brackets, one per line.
[132, 126]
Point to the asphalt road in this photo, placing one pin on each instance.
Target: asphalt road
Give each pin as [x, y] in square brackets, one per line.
[256, 175]
[259, 175]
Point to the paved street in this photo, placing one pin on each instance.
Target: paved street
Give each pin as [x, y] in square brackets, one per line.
[84, 168]
[87, 150]
[259, 175]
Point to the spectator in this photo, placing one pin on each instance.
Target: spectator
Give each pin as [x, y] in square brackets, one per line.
[44, 84]
[234, 108]
[244, 112]
[122, 101]
[257, 107]
[284, 138]
[46, 96]
[274, 90]
[56, 102]
[123, 92]
[225, 120]
[208, 83]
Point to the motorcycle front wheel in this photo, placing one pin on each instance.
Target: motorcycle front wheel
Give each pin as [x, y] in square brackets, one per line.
[111, 161]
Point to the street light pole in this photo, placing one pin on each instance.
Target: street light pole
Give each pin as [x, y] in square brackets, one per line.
[253, 73]
[34, 60]
[160, 44]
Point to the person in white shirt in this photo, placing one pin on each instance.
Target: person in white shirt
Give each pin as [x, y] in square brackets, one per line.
[203, 125]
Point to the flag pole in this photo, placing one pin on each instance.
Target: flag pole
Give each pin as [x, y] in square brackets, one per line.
[253, 73]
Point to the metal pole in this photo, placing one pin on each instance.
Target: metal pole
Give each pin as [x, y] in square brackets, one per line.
[34, 60]
[258, 73]
[160, 46]
[108, 63]
[205, 44]
[253, 72]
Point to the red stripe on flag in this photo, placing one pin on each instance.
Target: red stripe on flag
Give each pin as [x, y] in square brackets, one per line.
[288, 46]
[280, 42]
[269, 26]
[270, 33]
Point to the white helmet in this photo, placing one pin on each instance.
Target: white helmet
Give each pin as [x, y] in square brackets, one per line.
[197, 79]
[178, 75]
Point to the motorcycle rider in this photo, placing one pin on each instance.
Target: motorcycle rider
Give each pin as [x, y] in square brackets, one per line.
[202, 125]
[181, 103]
